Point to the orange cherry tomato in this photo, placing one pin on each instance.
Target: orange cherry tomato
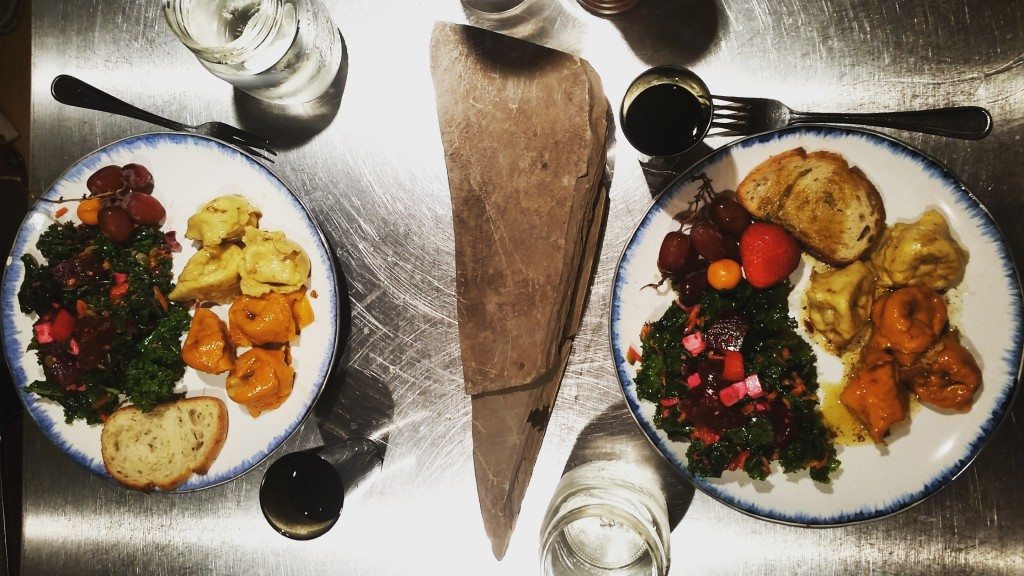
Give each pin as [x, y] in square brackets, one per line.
[724, 274]
[88, 211]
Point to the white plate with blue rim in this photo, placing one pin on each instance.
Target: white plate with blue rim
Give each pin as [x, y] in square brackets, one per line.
[188, 171]
[927, 451]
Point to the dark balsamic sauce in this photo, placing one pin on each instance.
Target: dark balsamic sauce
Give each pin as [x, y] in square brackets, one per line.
[665, 120]
[302, 495]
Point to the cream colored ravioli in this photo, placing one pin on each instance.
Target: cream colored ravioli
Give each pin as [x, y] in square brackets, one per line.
[921, 253]
[211, 274]
[839, 302]
[223, 218]
[272, 262]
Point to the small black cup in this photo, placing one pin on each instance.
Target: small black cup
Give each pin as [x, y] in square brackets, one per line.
[666, 111]
[302, 493]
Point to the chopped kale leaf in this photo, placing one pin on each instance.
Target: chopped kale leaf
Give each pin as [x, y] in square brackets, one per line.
[781, 424]
[139, 358]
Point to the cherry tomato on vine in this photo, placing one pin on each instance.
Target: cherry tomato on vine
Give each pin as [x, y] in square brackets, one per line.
[724, 274]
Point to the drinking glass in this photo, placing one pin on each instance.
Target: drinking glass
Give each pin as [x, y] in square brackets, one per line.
[302, 493]
[284, 51]
[607, 518]
[608, 7]
[529, 20]
[492, 7]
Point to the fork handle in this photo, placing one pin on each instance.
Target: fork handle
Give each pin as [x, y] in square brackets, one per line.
[74, 92]
[966, 122]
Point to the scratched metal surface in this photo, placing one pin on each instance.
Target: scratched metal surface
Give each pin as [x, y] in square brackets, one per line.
[370, 166]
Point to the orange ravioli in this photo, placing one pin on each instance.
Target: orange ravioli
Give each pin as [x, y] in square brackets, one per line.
[206, 347]
[302, 310]
[909, 320]
[261, 380]
[262, 320]
[947, 376]
[876, 399]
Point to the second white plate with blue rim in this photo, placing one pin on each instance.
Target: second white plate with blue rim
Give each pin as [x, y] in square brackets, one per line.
[930, 449]
[188, 171]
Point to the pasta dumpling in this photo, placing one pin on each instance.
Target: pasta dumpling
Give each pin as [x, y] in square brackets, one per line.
[211, 274]
[261, 380]
[223, 218]
[839, 302]
[921, 253]
[272, 262]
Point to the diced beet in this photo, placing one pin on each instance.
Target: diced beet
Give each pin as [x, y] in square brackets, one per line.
[727, 331]
[46, 329]
[43, 331]
[782, 424]
[710, 371]
[171, 241]
[710, 413]
[60, 367]
[694, 343]
[732, 393]
[692, 381]
[78, 270]
[93, 334]
[754, 389]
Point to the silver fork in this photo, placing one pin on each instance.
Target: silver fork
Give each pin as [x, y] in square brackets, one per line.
[736, 116]
[74, 92]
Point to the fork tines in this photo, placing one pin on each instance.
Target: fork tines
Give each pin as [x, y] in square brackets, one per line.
[731, 116]
[735, 99]
[249, 144]
[241, 137]
[256, 153]
[254, 140]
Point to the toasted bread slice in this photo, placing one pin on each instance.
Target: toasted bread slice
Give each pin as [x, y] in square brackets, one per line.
[832, 208]
[763, 191]
[164, 447]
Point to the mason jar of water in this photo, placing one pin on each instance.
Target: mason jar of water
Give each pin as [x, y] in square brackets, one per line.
[285, 51]
[607, 518]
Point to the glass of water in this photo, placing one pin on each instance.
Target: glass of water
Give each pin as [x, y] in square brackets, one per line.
[607, 518]
[284, 51]
[493, 6]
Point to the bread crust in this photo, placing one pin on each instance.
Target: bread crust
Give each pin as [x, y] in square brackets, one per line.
[178, 445]
[764, 189]
[829, 206]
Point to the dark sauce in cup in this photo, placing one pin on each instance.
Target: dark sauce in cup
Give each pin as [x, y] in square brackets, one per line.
[302, 495]
[666, 111]
[665, 119]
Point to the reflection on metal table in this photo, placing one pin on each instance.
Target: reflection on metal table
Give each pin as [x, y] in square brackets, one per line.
[368, 162]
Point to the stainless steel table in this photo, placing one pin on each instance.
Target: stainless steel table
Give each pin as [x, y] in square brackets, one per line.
[370, 165]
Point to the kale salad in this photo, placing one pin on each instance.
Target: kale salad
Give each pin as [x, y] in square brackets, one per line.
[105, 333]
[724, 365]
[732, 376]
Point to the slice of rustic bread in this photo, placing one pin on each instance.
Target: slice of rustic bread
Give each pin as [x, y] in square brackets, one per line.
[832, 208]
[765, 188]
[164, 447]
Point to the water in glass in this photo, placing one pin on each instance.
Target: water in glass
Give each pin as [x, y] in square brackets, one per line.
[607, 518]
[285, 51]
